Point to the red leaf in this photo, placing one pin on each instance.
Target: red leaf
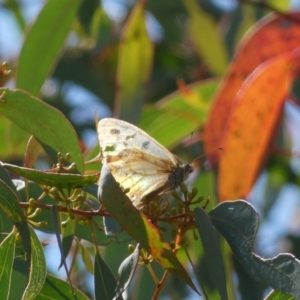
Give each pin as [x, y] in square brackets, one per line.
[252, 123]
[272, 36]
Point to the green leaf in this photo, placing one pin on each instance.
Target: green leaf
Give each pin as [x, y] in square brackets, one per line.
[38, 268]
[57, 230]
[82, 231]
[6, 178]
[212, 251]
[86, 258]
[127, 270]
[134, 66]
[47, 124]
[33, 150]
[104, 280]
[20, 276]
[64, 180]
[55, 288]
[207, 41]
[111, 226]
[137, 225]
[68, 231]
[9, 202]
[44, 43]
[278, 295]
[179, 114]
[7, 255]
[13, 140]
[237, 221]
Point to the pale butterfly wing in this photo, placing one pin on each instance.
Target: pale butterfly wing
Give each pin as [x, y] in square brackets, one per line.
[137, 161]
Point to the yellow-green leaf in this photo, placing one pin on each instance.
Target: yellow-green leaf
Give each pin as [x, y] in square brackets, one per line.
[207, 41]
[135, 63]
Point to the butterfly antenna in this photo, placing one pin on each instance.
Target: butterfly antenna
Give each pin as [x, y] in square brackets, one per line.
[205, 154]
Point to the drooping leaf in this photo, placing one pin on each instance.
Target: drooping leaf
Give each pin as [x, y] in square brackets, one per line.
[275, 34]
[86, 258]
[57, 230]
[137, 225]
[135, 63]
[237, 221]
[258, 106]
[45, 41]
[7, 255]
[48, 125]
[104, 280]
[212, 251]
[67, 231]
[38, 268]
[63, 180]
[126, 271]
[9, 203]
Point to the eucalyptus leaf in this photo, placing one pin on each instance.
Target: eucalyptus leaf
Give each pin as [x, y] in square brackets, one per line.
[238, 222]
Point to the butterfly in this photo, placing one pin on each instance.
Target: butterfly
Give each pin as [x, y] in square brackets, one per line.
[138, 162]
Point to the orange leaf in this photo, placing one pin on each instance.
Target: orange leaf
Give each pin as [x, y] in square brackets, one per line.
[253, 120]
[272, 36]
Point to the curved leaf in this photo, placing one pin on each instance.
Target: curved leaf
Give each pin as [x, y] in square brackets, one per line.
[38, 268]
[67, 232]
[86, 258]
[64, 180]
[275, 34]
[9, 203]
[137, 225]
[104, 280]
[258, 105]
[55, 288]
[111, 226]
[44, 42]
[126, 271]
[135, 63]
[48, 125]
[237, 221]
[278, 295]
[7, 255]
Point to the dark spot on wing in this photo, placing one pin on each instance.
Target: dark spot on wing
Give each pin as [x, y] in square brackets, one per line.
[145, 145]
[129, 137]
[125, 144]
[114, 131]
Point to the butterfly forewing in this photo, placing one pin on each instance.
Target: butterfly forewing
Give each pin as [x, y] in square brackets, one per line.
[137, 161]
[123, 135]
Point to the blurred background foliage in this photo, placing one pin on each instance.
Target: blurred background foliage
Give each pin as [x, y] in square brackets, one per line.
[115, 64]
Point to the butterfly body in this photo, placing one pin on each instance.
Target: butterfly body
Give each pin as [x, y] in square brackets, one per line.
[138, 162]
